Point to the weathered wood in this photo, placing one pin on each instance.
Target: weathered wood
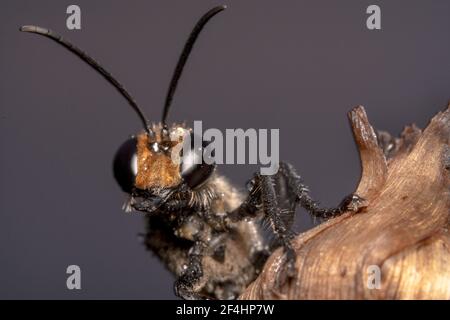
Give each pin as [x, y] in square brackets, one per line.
[403, 227]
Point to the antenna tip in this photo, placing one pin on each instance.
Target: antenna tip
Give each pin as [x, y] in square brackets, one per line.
[27, 28]
[34, 29]
[224, 6]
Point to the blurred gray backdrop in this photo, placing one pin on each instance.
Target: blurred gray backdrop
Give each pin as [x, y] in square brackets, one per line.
[294, 65]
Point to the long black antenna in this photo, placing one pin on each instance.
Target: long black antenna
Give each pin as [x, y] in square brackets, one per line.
[184, 56]
[94, 64]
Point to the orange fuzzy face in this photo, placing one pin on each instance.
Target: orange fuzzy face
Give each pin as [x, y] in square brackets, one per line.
[155, 167]
[155, 163]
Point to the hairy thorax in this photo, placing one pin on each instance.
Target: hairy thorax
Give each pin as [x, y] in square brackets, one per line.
[229, 265]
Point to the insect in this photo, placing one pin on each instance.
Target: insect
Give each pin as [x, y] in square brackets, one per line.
[206, 232]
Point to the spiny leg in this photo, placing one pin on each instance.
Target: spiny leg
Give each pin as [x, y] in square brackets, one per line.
[271, 196]
[263, 197]
[301, 196]
[273, 212]
[351, 202]
[185, 285]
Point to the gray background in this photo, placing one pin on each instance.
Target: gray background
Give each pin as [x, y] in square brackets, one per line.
[294, 65]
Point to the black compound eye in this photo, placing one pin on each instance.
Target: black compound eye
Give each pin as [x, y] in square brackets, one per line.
[125, 165]
[194, 170]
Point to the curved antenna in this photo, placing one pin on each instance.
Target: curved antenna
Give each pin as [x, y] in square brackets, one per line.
[94, 64]
[184, 56]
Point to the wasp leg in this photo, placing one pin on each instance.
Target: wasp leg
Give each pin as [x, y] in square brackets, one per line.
[272, 210]
[249, 207]
[286, 190]
[264, 197]
[186, 284]
[351, 202]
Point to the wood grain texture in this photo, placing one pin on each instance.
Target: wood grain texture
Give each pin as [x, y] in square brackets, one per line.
[403, 227]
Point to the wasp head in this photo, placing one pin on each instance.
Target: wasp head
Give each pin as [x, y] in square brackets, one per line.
[146, 165]
[158, 165]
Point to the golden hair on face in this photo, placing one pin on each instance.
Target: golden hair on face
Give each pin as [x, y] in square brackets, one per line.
[156, 168]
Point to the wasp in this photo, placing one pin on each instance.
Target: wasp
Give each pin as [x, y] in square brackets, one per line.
[208, 234]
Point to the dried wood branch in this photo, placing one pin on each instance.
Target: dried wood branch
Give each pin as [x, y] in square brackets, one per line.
[403, 227]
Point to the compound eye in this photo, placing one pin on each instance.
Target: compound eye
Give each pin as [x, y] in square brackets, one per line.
[125, 165]
[194, 169]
